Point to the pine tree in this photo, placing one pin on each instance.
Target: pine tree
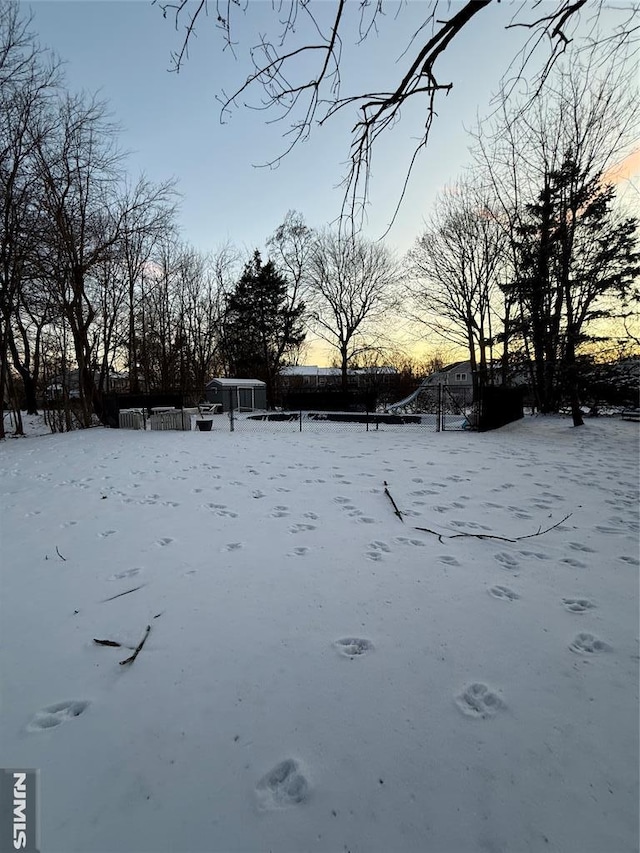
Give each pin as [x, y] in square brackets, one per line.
[573, 252]
[262, 324]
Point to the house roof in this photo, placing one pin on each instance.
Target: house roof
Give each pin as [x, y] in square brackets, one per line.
[235, 383]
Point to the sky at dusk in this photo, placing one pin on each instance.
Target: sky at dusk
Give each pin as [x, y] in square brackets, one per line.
[171, 122]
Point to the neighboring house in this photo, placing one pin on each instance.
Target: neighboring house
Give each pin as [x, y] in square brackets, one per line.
[241, 395]
[458, 375]
[68, 384]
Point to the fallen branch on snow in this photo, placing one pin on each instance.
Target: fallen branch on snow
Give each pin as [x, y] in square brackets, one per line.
[120, 594]
[60, 555]
[138, 648]
[107, 643]
[395, 505]
[539, 532]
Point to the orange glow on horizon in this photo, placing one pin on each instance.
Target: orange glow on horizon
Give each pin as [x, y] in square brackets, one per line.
[629, 167]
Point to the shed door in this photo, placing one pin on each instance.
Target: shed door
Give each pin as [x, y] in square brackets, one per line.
[245, 398]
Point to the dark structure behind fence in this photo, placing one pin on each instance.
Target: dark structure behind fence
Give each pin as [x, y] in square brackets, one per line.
[331, 400]
[499, 406]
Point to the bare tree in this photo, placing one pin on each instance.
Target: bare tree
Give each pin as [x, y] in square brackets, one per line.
[28, 77]
[352, 291]
[546, 163]
[295, 66]
[456, 268]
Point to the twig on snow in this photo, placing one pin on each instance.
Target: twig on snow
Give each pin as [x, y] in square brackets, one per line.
[107, 643]
[395, 505]
[137, 649]
[539, 532]
[60, 555]
[120, 594]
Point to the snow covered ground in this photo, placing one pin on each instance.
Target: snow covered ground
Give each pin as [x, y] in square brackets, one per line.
[320, 675]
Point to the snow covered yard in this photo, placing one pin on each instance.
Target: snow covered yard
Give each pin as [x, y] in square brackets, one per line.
[319, 675]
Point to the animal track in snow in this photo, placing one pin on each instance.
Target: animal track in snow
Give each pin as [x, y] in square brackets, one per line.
[537, 555]
[575, 563]
[350, 647]
[280, 512]
[588, 644]
[448, 560]
[233, 546]
[300, 551]
[377, 550]
[55, 715]
[577, 605]
[506, 560]
[164, 541]
[578, 546]
[69, 524]
[106, 533]
[503, 593]
[472, 525]
[633, 561]
[365, 519]
[405, 540]
[479, 702]
[126, 573]
[301, 528]
[283, 786]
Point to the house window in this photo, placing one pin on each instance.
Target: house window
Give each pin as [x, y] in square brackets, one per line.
[461, 377]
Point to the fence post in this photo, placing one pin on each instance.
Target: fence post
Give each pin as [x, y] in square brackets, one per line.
[367, 420]
[439, 418]
[231, 410]
[300, 420]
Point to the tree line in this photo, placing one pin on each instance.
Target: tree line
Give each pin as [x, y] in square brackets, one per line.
[521, 260]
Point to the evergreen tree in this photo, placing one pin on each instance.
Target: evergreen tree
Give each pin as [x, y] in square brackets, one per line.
[574, 251]
[262, 324]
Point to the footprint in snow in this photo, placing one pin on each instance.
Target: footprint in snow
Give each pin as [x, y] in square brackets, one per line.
[632, 561]
[301, 528]
[588, 644]
[350, 647]
[404, 540]
[283, 786]
[300, 551]
[577, 605]
[448, 560]
[164, 541]
[506, 560]
[479, 702]
[126, 573]
[233, 546]
[503, 593]
[377, 549]
[55, 715]
[578, 546]
[106, 533]
[280, 512]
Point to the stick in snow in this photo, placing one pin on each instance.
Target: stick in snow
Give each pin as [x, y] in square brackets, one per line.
[138, 648]
[395, 506]
[60, 555]
[107, 643]
[120, 594]
[539, 532]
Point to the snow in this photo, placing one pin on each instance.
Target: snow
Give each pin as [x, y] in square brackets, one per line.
[319, 675]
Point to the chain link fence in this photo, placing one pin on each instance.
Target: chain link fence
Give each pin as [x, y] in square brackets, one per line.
[432, 410]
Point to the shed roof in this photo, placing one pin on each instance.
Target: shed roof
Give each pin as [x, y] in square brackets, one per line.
[236, 383]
